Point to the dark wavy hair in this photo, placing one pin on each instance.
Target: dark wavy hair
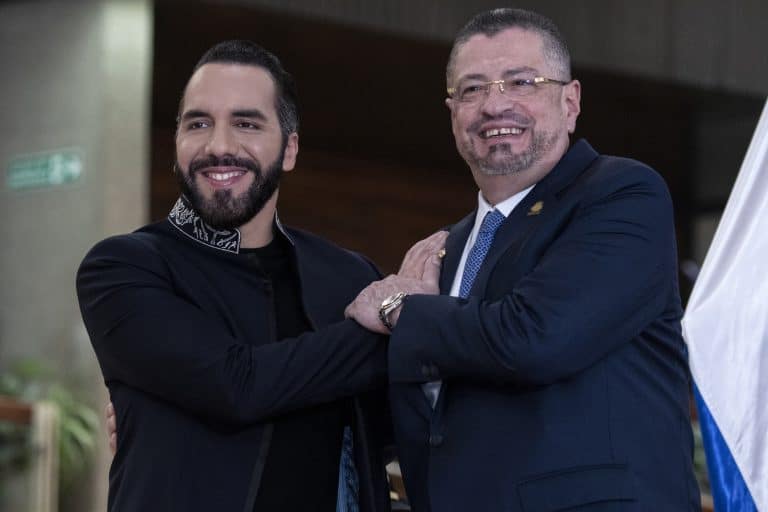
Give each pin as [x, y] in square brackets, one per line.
[249, 53]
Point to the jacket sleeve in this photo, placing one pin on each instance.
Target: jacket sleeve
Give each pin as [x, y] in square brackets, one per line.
[147, 336]
[606, 276]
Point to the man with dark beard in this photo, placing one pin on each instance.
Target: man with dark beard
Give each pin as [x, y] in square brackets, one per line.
[224, 210]
[238, 384]
[550, 374]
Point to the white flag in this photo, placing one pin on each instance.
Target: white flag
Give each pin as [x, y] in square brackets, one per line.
[726, 329]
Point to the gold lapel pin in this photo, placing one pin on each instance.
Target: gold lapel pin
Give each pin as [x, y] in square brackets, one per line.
[536, 209]
[441, 253]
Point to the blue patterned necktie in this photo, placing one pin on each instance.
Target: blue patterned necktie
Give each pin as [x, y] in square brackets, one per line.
[491, 223]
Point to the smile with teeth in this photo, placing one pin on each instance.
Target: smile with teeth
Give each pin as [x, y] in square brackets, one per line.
[499, 132]
[223, 176]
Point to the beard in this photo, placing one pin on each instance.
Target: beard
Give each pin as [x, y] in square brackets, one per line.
[225, 211]
[501, 160]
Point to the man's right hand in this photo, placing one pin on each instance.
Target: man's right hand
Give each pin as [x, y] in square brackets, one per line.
[111, 427]
[422, 261]
[419, 274]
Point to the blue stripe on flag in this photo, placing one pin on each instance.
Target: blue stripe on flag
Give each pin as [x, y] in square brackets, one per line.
[729, 492]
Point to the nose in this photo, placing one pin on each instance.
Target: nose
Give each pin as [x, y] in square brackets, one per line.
[497, 100]
[222, 141]
[500, 83]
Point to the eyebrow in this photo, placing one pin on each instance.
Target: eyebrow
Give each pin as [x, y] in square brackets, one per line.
[247, 112]
[250, 112]
[507, 73]
[192, 114]
[517, 71]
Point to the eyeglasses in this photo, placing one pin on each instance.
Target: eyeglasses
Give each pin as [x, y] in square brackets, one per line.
[516, 87]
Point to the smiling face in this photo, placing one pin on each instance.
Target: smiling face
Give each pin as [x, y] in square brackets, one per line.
[503, 134]
[230, 151]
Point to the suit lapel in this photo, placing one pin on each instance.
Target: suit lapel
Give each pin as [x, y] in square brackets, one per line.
[513, 232]
[538, 205]
[454, 247]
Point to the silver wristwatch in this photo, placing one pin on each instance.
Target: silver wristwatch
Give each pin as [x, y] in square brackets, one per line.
[388, 305]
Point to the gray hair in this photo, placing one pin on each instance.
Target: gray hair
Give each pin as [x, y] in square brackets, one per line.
[490, 23]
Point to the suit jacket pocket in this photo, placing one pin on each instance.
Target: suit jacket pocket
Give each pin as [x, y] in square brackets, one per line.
[578, 488]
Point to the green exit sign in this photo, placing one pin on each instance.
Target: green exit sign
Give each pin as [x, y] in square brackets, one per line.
[48, 169]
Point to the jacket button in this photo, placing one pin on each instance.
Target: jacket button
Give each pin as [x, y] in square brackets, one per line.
[435, 440]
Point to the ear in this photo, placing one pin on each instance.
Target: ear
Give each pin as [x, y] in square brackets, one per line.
[452, 105]
[291, 151]
[572, 103]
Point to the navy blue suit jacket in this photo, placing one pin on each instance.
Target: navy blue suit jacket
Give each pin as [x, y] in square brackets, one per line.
[565, 380]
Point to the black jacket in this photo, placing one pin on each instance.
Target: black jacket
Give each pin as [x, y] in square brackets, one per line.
[183, 329]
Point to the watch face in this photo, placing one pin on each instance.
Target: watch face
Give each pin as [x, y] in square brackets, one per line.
[389, 300]
[392, 299]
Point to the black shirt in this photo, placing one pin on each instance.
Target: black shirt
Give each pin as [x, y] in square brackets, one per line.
[302, 466]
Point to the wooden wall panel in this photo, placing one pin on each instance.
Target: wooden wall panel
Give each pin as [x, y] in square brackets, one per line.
[377, 167]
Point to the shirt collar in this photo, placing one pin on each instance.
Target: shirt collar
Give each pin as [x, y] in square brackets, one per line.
[505, 207]
[186, 220]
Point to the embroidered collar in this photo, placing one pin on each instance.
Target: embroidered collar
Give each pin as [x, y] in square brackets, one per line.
[186, 220]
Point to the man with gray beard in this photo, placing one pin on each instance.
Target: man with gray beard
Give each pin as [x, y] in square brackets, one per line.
[549, 373]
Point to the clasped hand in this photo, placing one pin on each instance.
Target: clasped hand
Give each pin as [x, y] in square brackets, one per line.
[419, 274]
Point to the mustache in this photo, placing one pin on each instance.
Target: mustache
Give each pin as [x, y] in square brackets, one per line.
[521, 120]
[224, 161]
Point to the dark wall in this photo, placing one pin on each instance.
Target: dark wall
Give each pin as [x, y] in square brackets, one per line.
[378, 168]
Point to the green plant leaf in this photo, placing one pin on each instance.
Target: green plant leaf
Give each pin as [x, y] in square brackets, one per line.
[78, 426]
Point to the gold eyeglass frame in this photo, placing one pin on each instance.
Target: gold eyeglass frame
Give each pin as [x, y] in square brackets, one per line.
[519, 81]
